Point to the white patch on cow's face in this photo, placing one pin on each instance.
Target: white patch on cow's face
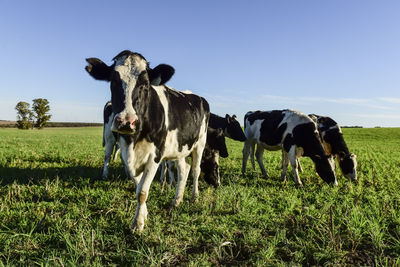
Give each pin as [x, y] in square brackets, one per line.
[129, 68]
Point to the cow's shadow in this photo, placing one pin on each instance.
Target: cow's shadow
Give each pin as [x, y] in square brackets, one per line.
[73, 174]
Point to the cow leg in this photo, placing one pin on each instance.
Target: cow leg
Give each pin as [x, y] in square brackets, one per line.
[196, 161]
[116, 152]
[252, 151]
[127, 160]
[109, 144]
[299, 165]
[142, 192]
[163, 171]
[246, 153]
[171, 175]
[293, 162]
[285, 163]
[183, 172]
[259, 157]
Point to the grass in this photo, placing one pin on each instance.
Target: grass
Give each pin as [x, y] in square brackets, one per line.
[53, 210]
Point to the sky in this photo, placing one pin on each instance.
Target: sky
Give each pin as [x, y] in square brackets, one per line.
[337, 58]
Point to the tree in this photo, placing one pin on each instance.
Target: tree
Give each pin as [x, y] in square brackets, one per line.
[24, 115]
[40, 108]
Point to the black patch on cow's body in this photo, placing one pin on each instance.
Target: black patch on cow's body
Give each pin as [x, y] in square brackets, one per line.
[271, 132]
[186, 115]
[305, 136]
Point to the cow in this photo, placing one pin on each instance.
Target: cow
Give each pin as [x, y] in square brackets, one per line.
[231, 129]
[335, 146]
[155, 123]
[165, 72]
[290, 131]
[215, 147]
[229, 125]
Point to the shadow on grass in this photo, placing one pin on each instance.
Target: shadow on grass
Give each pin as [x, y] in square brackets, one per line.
[9, 175]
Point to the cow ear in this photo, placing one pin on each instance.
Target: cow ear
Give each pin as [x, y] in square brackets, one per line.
[160, 74]
[234, 117]
[98, 69]
[228, 118]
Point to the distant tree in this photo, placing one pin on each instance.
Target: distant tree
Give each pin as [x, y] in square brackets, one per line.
[24, 115]
[41, 108]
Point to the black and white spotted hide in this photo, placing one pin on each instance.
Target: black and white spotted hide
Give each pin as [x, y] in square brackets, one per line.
[335, 146]
[154, 123]
[290, 131]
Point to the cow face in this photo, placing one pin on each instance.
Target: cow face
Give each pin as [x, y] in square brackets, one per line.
[130, 78]
[233, 129]
[324, 168]
[348, 165]
[215, 147]
[210, 167]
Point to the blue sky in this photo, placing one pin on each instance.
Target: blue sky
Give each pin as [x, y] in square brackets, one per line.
[337, 58]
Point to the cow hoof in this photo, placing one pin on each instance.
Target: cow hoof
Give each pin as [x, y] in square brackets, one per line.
[137, 227]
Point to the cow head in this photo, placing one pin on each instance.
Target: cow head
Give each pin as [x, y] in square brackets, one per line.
[216, 141]
[348, 165]
[215, 147]
[130, 79]
[233, 129]
[324, 168]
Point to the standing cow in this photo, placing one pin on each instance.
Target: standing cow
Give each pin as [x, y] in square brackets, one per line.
[161, 74]
[154, 123]
[335, 146]
[290, 131]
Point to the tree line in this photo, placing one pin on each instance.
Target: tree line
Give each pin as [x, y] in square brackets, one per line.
[36, 116]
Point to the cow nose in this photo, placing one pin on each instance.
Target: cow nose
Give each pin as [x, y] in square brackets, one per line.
[125, 124]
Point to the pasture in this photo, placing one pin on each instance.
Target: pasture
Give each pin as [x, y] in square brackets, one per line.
[53, 211]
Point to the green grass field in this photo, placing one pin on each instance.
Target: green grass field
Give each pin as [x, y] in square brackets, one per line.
[53, 211]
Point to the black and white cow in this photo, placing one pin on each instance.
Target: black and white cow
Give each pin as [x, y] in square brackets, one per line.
[292, 132]
[335, 146]
[154, 123]
[164, 74]
[230, 126]
[215, 147]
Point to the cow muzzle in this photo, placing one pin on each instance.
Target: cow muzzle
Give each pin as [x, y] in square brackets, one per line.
[125, 125]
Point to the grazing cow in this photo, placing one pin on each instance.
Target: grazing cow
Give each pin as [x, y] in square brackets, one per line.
[335, 146]
[229, 125]
[165, 72]
[154, 123]
[292, 132]
[215, 147]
